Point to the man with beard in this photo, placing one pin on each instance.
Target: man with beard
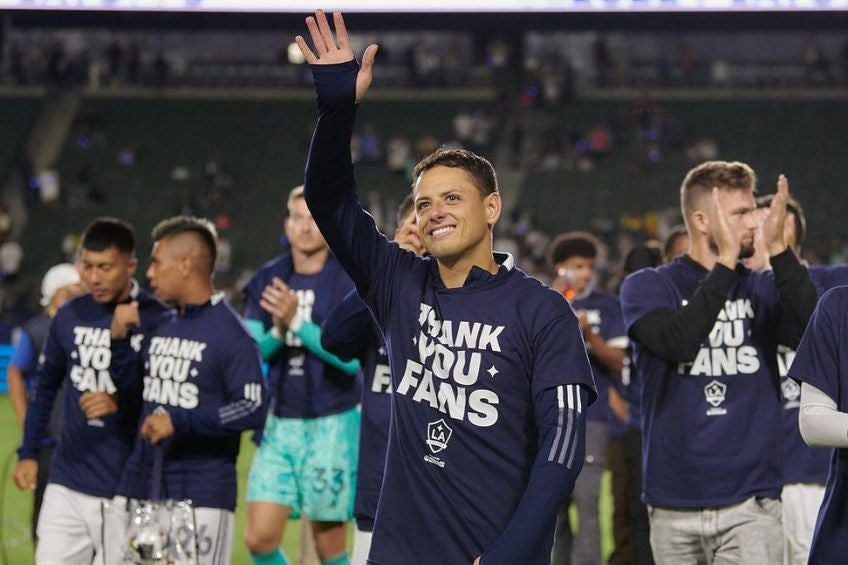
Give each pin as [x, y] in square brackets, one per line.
[705, 333]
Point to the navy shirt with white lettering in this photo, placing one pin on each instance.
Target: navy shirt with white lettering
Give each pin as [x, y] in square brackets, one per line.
[91, 454]
[350, 332]
[603, 312]
[712, 428]
[303, 386]
[804, 464]
[821, 362]
[466, 365]
[203, 368]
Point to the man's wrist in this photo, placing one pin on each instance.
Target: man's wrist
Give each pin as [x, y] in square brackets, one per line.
[776, 248]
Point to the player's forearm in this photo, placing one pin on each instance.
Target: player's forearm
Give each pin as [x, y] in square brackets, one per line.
[561, 418]
[17, 392]
[268, 341]
[798, 297]
[820, 421]
[329, 184]
[677, 335]
[220, 420]
[38, 415]
[310, 334]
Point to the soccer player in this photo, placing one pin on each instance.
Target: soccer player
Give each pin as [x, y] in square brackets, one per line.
[202, 384]
[306, 462]
[805, 468]
[821, 368]
[705, 332]
[490, 377]
[95, 441]
[60, 284]
[349, 332]
[572, 257]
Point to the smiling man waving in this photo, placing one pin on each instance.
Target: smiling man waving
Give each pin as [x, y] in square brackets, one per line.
[490, 375]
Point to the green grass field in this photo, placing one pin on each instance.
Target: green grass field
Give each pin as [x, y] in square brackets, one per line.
[16, 506]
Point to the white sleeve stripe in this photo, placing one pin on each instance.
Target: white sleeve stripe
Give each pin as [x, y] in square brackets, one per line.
[579, 402]
[570, 397]
[560, 415]
[568, 433]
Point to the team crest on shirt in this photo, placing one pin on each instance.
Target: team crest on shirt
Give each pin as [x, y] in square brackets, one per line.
[791, 394]
[715, 393]
[438, 436]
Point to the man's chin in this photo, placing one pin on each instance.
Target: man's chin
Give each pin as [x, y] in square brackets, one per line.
[746, 251]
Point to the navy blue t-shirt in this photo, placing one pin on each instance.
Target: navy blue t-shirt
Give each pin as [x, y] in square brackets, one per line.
[91, 454]
[203, 368]
[821, 362]
[712, 429]
[804, 464]
[303, 386]
[466, 365]
[603, 312]
[350, 332]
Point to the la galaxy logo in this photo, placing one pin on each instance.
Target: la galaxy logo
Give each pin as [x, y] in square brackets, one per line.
[715, 393]
[438, 436]
[791, 393]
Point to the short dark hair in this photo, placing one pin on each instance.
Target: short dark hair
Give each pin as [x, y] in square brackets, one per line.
[480, 169]
[201, 227]
[642, 256]
[572, 244]
[676, 233]
[793, 206]
[406, 206]
[104, 233]
[725, 175]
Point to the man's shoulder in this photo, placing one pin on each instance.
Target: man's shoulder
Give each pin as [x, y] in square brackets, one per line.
[83, 306]
[535, 297]
[227, 321]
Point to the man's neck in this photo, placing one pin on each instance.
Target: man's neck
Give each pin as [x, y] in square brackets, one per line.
[701, 252]
[195, 294]
[309, 263]
[454, 273]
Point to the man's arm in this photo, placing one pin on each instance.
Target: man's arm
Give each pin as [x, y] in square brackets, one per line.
[23, 360]
[50, 374]
[329, 186]
[798, 295]
[820, 421]
[561, 422]
[675, 335]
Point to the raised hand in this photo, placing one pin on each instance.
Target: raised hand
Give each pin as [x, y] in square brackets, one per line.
[773, 225]
[124, 319]
[279, 301]
[728, 243]
[336, 49]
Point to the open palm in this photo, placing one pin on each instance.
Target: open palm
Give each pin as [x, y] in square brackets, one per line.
[332, 49]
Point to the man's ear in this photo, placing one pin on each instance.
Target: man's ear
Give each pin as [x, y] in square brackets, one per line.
[700, 222]
[493, 203]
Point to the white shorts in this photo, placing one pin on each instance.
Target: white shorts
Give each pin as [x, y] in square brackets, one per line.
[69, 528]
